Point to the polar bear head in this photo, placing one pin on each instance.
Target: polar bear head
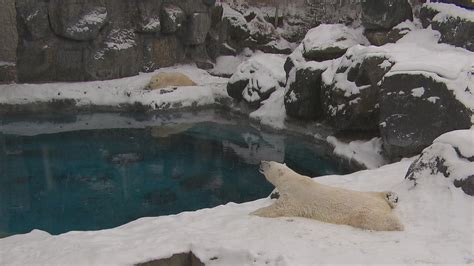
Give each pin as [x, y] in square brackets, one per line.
[274, 172]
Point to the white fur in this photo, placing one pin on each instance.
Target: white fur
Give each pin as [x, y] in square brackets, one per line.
[300, 196]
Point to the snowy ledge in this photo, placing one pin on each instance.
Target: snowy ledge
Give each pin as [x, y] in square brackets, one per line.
[116, 94]
[435, 217]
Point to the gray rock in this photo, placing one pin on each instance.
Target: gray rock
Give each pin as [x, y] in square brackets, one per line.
[447, 159]
[117, 55]
[414, 110]
[261, 32]
[382, 37]
[209, 2]
[190, 6]
[149, 16]
[147, 55]
[303, 95]
[385, 14]
[172, 18]
[198, 54]
[167, 51]
[7, 73]
[32, 18]
[8, 31]
[235, 88]
[35, 62]
[69, 60]
[353, 104]
[77, 20]
[197, 28]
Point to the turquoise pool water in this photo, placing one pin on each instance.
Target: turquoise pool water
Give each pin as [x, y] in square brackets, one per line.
[91, 179]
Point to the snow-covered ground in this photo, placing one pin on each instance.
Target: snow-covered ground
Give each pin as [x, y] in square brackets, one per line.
[367, 153]
[438, 220]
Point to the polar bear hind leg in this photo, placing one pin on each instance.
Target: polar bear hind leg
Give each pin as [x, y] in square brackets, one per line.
[391, 198]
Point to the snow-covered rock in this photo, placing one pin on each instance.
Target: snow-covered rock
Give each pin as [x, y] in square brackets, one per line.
[114, 57]
[303, 90]
[330, 41]
[257, 78]
[78, 22]
[172, 18]
[148, 19]
[456, 24]
[449, 159]
[416, 108]
[351, 89]
[381, 37]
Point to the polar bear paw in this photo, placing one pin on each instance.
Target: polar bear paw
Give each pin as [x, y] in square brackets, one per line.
[392, 199]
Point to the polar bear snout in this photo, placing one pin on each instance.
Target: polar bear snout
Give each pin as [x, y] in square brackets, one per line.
[264, 166]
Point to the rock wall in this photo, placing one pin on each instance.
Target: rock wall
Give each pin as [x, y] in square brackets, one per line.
[8, 40]
[77, 40]
[8, 31]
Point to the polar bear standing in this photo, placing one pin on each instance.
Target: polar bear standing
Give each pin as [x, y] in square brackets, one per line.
[300, 196]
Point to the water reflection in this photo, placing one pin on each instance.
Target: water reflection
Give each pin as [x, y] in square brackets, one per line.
[102, 178]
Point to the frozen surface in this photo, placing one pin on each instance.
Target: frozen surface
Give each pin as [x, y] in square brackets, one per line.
[437, 220]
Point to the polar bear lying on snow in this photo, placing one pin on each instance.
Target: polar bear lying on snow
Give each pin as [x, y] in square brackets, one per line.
[300, 196]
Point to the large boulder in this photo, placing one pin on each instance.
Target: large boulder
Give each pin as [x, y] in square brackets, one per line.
[172, 18]
[7, 72]
[115, 56]
[9, 42]
[257, 78]
[198, 26]
[149, 16]
[451, 157]
[237, 24]
[382, 37]
[77, 20]
[416, 108]
[455, 24]
[167, 51]
[385, 14]
[351, 93]
[330, 41]
[35, 62]
[260, 31]
[303, 91]
[32, 19]
[192, 6]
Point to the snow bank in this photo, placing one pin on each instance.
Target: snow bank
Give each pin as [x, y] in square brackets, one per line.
[366, 153]
[226, 65]
[436, 218]
[461, 139]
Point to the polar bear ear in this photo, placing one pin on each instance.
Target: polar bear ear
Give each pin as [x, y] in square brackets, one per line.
[284, 164]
